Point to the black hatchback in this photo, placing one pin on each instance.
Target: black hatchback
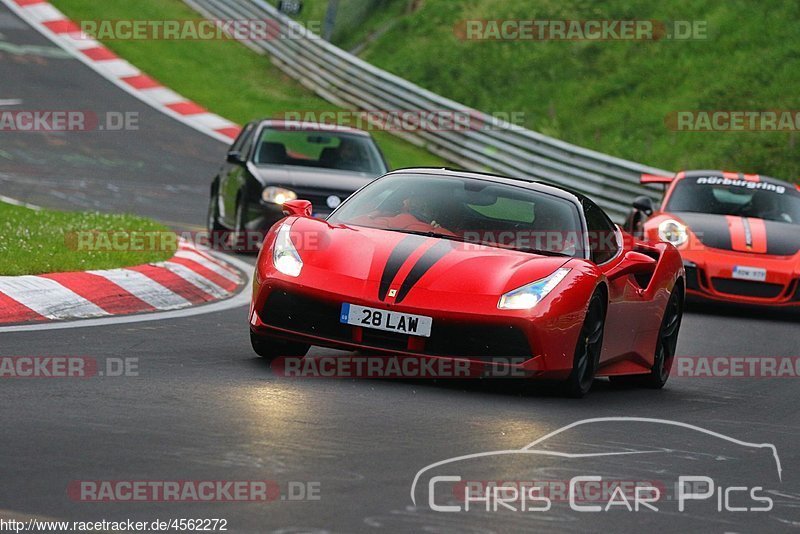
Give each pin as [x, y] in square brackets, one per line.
[274, 161]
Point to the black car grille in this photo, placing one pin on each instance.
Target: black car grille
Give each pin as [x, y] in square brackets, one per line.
[306, 315]
[746, 288]
[479, 341]
[796, 296]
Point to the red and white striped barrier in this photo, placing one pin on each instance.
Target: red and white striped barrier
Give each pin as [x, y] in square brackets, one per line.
[58, 28]
[190, 277]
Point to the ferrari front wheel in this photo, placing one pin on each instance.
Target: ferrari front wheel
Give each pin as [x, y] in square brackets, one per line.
[271, 348]
[587, 351]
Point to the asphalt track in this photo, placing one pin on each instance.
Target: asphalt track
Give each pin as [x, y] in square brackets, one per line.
[204, 407]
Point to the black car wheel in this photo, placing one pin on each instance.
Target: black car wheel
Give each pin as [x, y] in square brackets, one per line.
[212, 218]
[587, 351]
[239, 236]
[270, 348]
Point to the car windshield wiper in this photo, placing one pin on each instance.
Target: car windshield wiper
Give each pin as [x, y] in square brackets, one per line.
[542, 252]
[427, 234]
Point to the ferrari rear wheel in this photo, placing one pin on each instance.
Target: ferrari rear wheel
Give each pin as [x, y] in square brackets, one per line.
[587, 352]
[667, 343]
[666, 347]
[271, 348]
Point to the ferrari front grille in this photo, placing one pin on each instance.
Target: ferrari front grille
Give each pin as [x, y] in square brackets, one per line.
[306, 315]
[482, 342]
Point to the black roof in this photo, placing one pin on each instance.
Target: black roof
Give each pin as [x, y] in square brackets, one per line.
[304, 126]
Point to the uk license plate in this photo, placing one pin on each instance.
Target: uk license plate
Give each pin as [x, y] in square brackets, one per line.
[390, 321]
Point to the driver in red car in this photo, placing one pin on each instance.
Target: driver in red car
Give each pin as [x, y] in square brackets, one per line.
[417, 213]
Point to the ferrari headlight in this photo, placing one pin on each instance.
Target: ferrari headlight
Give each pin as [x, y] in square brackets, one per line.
[284, 255]
[277, 195]
[528, 296]
[673, 232]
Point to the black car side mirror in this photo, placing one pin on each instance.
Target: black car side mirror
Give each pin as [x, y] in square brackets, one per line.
[644, 204]
[234, 157]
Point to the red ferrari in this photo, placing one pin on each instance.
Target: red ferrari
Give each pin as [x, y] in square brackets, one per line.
[739, 234]
[449, 264]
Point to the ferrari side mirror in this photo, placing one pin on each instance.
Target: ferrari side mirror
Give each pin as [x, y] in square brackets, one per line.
[633, 263]
[644, 204]
[299, 208]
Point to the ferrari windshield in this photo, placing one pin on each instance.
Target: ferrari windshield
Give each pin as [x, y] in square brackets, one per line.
[743, 198]
[468, 210]
[323, 148]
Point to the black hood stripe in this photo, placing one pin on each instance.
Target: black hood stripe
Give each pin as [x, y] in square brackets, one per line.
[712, 230]
[783, 239]
[397, 258]
[424, 263]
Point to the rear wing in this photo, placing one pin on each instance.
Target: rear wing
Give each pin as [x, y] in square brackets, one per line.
[656, 179]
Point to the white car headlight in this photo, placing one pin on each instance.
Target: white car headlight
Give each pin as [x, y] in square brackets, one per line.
[277, 195]
[528, 296]
[673, 232]
[284, 255]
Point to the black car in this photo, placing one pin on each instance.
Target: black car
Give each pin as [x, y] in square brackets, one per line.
[275, 161]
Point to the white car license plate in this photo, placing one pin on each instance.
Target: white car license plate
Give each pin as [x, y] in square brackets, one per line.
[753, 274]
[391, 321]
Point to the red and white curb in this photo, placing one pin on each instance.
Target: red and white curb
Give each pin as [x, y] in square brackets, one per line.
[54, 25]
[190, 277]
[166, 290]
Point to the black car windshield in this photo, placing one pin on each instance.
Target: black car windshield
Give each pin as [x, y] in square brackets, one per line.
[323, 148]
[468, 210]
[745, 198]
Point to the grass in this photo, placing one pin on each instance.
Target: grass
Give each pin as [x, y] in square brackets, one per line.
[221, 75]
[44, 241]
[613, 96]
[356, 20]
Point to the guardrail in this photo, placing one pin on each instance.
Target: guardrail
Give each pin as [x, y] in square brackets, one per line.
[504, 148]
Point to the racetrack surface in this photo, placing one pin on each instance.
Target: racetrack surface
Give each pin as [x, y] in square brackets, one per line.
[162, 169]
[204, 407]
